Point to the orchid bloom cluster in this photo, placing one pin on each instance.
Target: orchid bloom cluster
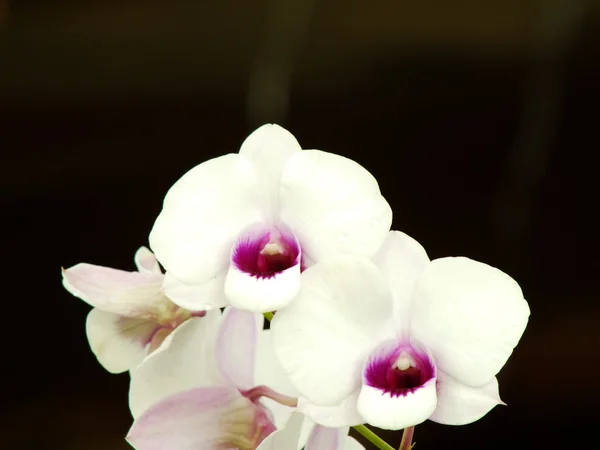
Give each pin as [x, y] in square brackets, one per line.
[365, 328]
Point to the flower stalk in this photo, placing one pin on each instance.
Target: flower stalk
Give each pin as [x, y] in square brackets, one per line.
[407, 436]
[373, 438]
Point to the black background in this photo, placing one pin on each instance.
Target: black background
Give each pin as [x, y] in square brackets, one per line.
[479, 121]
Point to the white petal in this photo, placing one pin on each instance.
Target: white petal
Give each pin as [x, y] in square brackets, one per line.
[131, 294]
[333, 205]
[268, 148]
[250, 293]
[202, 214]
[268, 372]
[352, 444]
[198, 419]
[118, 342]
[325, 438]
[286, 438]
[388, 412]
[146, 262]
[321, 339]
[470, 316]
[196, 297]
[459, 404]
[401, 259]
[185, 360]
[344, 414]
[236, 346]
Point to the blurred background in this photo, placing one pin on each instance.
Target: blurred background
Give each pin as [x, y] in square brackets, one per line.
[479, 119]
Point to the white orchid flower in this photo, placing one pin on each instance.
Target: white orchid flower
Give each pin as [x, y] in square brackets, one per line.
[406, 338]
[205, 387]
[246, 224]
[131, 315]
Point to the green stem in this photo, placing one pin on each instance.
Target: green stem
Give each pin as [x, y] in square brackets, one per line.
[373, 438]
[407, 436]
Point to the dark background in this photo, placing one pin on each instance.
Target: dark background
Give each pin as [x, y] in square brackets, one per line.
[479, 119]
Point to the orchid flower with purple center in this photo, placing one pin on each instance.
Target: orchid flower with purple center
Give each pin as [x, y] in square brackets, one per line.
[131, 315]
[240, 228]
[401, 339]
[214, 384]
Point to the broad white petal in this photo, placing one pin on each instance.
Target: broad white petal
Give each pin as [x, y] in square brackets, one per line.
[342, 415]
[197, 419]
[286, 438]
[131, 294]
[196, 297]
[185, 360]
[470, 316]
[268, 372]
[352, 444]
[146, 262]
[118, 342]
[202, 214]
[401, 259]
[343, 309]
[459, 404]
[333, 205]
[325, 438]
[268, 148]
[236, 346]
[399, 385]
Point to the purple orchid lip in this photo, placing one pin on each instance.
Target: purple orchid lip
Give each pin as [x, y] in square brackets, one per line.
[398, 367]
[264, 252]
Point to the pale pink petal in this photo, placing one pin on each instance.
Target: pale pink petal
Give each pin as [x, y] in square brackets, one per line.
[399, 386]
[343, 309]
[146, 262]
[333, 205]
[459, 404]
[264, 274]
[236, 346]
[202, 214]
[186, 359]
[401, 259]
[269, 148]
[342, 415]
[131, 294]
[196, 297]
[286, 438]
[198, 419]
[120, 343]
[470, 316]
